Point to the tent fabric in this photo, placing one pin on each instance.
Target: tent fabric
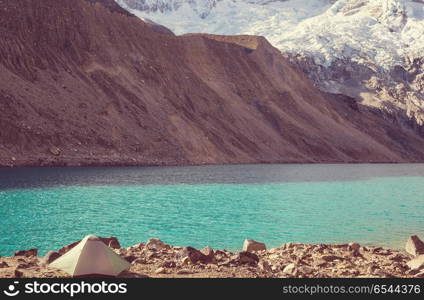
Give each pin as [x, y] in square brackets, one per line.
[91, 256]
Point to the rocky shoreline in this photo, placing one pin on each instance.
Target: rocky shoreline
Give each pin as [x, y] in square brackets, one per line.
[157, 259]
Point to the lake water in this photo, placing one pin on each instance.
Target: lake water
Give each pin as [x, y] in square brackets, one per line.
[218, 206]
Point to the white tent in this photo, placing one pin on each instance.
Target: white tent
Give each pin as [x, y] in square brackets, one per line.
[91, 257]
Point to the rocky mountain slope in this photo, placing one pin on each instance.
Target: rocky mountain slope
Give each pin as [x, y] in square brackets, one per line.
[83, 82]
[371, 50]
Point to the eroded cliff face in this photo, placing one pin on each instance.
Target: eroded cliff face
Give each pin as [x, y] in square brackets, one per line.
[85, 83]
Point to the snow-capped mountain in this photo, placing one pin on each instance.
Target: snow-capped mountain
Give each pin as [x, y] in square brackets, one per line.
[371, 50]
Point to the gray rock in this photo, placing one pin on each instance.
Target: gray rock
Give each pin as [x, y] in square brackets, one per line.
[414, 245]
[245, 257]
[208, 251]
[193, 255]
[354, 247]
[251, 246]
[155, 244]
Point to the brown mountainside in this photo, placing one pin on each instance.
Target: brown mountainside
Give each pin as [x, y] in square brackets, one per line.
[84, 82]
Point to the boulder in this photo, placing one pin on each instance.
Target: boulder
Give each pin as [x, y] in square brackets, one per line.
[252, 246]
[354, 248]
[3, 264]
[193, 255]
[417, 263]
[245, 257]
[414, 245]
[155, 244]
[49, 258]
[209, 253]
[290, 269]
[27, 253]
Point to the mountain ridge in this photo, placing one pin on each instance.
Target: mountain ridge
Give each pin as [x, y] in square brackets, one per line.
[83, 85]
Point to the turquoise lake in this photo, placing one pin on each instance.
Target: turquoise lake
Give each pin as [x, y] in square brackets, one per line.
[219, 206]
